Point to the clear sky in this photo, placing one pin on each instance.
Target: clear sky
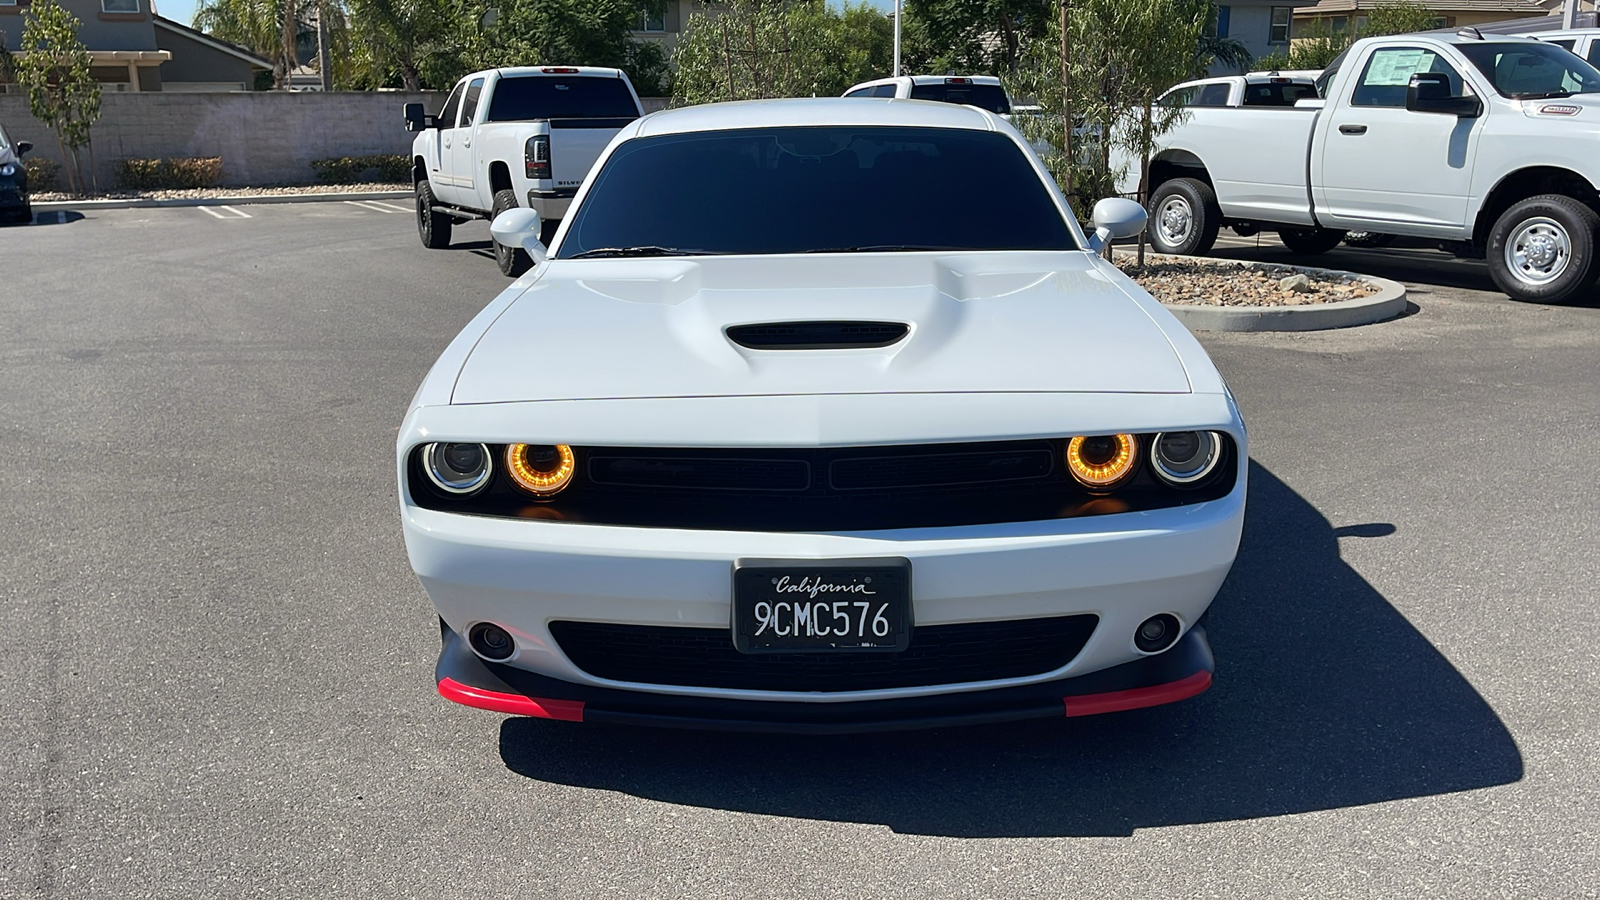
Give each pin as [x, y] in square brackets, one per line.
[183, 10]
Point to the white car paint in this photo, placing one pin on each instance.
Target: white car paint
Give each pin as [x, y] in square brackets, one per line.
[1583, 41]
[1004, 345]
[901, 87]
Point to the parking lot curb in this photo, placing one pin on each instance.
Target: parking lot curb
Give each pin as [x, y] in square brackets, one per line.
[152, 202]
[1389, 302]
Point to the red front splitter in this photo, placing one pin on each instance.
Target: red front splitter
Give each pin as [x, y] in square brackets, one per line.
[1139, 698]
[511, 704]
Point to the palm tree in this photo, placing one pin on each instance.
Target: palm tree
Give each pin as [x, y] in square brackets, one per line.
[267, 28]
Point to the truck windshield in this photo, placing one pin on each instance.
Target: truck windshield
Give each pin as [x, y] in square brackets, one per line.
[522, 98]
[1532, 70]
[984, 96]
[814, 190]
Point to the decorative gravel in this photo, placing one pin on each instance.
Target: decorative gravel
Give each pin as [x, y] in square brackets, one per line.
[219, 192]
[1211, 283]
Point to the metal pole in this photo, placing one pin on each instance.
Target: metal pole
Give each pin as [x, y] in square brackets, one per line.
[896, 34]
[1569, 16]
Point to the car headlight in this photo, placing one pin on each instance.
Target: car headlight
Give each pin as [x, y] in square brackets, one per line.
[458, 468]
[1185, 458]
[1102, 461]
[542, 470]
[7, 170]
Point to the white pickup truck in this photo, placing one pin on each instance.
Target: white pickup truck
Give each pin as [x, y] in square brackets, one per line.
[1489, 145]
[513, 137]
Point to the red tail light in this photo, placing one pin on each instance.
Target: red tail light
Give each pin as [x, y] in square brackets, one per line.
[536, 156]
[958, 81]
[559, 70]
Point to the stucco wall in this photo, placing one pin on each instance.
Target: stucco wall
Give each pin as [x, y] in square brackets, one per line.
[262, 137]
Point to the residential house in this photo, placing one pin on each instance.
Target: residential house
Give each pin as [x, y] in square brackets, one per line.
[1263, 26]
[664, 27]
[132, 49]
[1338, 16]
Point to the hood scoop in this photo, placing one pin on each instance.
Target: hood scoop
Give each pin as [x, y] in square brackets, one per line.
[817, 335]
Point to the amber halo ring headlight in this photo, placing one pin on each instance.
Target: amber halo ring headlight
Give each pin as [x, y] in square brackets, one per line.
[1103, 461]
[1185, 458]
[542, 470]
[458, 468]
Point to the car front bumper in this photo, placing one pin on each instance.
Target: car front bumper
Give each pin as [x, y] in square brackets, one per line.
[1181, 672]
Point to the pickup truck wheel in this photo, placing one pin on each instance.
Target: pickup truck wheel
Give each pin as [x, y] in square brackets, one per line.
[1543, 248]
[432, 227]
[1310, 241]
[1184, 217]
[513, 261]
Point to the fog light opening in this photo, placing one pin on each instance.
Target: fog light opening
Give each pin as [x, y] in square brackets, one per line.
[1156, 633]
[490, 641]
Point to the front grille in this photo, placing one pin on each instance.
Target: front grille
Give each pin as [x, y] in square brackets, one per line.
[821, 489]
[939, 654]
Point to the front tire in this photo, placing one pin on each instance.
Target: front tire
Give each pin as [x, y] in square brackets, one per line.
[1184, 218]
[1310, 241]
[513, 261]
[432, 227]
[1543, 248]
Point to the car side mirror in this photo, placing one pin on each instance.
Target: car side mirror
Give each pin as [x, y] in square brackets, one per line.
[23, 147]
[1115, 218]
[1429, 92]
[417, 119]
[520, 228]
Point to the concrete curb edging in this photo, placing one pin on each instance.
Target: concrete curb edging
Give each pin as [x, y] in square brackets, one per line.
[152, 202]
[1390, 301]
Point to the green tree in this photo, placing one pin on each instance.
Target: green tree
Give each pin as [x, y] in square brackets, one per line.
[53, 67]
[971, 36]
[753, 49]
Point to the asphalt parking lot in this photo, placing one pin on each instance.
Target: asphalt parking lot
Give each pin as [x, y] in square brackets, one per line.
[218, 675]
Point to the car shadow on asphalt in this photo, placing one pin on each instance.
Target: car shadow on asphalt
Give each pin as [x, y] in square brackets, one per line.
[1325, 697]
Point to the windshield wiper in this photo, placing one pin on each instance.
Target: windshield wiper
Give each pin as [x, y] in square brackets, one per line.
[1547, 95]
[599, 252]
[886, 248]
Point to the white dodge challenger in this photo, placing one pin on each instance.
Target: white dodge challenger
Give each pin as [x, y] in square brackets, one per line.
[791, 430]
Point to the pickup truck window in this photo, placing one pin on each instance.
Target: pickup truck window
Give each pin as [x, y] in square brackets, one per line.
[1389, 72]
[447, 116]
[1179, 97]
[1532, 70]
[1594, 53]
[816, 189]
[984, 96]
[1213, 95]
[1276, 94]
[469, 105]
[527, 97]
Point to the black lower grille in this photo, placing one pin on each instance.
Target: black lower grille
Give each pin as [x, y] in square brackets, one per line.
[939, 654]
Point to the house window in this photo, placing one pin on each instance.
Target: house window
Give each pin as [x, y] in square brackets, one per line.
[119, 6]
[1340, 23]
[654, 21]
[1224, 13]
[1279, 32]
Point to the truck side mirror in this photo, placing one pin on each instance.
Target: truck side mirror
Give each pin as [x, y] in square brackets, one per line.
[1429, 92]
[417, 119]
[23, 147]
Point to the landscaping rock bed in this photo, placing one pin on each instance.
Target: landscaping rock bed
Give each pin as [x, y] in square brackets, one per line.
[221, 192]
[1193, 282]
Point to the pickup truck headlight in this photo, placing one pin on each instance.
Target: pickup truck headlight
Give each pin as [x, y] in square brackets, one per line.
[536, 156]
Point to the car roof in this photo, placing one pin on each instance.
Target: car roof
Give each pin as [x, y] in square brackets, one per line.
[925, 79]
[1562, 32]
[520, 71]
[815, 111]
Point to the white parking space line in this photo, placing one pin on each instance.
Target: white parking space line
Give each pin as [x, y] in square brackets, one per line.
[368, 204]
[402, 209]
[242, 215]
[212, 213]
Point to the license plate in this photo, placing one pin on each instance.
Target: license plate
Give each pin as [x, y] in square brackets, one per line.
[821, 605]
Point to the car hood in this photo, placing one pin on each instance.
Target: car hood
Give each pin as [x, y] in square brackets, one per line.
[979, 322]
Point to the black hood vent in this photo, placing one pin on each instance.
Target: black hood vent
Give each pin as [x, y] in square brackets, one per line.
[817, 335]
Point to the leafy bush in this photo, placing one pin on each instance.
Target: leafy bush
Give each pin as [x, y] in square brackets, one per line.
[43, 174]
[388, 168]
[173, 174]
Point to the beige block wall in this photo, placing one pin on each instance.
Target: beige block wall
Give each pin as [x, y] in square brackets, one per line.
[262, 137]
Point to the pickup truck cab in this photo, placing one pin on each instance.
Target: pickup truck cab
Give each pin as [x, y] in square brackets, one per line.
[982, 91]
[513, 137]
[1484, 144]
[1583, 41]
[1254, 89]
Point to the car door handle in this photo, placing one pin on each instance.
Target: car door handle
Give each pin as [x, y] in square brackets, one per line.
[1352, 129]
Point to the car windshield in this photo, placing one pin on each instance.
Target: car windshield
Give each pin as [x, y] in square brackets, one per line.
[984, 96]
[817, 189]
[1532, 70]
[527, 97]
